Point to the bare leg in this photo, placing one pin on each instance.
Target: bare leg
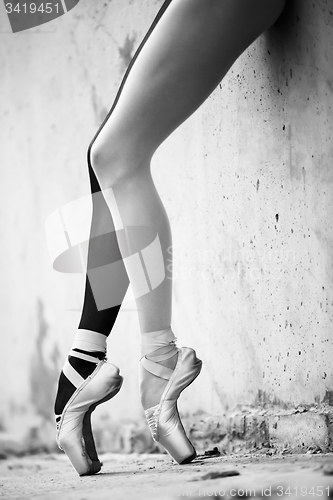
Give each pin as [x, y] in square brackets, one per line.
[187, 55]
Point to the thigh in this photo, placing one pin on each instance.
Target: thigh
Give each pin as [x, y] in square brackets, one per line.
[186, 56]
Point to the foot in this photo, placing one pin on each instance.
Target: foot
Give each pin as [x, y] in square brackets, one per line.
[151, 386]
[163, 419]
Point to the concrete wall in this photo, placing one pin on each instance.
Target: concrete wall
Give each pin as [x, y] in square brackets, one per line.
[247, 182]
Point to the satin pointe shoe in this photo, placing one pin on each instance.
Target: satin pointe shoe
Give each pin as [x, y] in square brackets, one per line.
[74, 434]
[163, 419]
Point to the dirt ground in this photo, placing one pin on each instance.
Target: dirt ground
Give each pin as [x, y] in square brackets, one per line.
[157, 477]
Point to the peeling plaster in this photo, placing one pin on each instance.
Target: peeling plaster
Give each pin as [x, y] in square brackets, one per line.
[44, 373]
[126, 51]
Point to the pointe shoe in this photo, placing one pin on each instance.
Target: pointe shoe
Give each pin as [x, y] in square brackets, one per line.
[74, 434]
[163, 419]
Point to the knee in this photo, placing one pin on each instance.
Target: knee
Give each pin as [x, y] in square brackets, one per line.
[104, 164]
[113, 165]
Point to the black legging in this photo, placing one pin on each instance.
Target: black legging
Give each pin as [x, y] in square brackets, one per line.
[105, 245]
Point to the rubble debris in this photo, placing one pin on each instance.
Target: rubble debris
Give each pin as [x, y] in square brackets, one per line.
[213, 452]
[218, 474]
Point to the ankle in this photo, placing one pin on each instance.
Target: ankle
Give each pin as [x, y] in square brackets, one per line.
[88, 349]
[90, 342]
[170, 362]
[151, 389]
[83, 367]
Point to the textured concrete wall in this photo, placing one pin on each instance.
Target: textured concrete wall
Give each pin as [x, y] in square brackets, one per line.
[247, 182]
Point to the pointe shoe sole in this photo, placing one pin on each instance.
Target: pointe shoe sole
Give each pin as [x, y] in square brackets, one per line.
[74, 434]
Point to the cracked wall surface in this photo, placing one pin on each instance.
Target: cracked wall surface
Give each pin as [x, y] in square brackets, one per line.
[247, 182]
